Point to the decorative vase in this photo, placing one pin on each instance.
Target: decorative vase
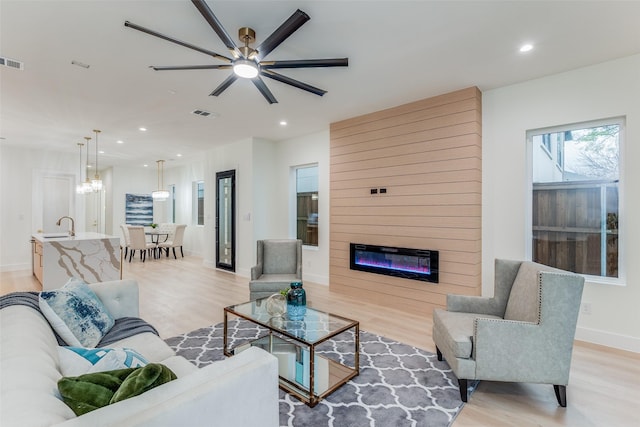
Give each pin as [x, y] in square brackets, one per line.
[276, 305]
[296, 302]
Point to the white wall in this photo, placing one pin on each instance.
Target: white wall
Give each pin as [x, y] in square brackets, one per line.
[606, 90]
[18, 221]
[308, 149]
[126, 180]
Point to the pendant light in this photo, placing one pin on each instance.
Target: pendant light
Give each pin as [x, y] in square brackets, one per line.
[160, 194]
[86, 185]
[96, 182]
[79, 187]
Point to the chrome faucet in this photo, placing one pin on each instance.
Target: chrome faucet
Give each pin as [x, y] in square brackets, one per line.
[72, 232]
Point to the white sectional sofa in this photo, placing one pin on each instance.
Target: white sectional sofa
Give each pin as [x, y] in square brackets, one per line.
[241, 391]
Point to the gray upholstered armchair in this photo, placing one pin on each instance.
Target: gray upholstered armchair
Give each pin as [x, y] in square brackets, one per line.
[524, 333]
[279, 262]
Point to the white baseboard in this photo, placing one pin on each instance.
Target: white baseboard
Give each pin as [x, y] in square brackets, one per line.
[15, 267]
[316, 278]
[595, 336]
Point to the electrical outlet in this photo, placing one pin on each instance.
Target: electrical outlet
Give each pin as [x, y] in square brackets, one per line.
[585, 308]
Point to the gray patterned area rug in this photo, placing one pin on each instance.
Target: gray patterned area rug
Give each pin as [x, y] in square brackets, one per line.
[398, 386]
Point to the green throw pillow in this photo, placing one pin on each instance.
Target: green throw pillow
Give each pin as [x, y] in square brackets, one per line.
[88, 392]
[143, 379]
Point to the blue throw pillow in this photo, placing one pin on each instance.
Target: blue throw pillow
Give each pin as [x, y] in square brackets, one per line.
[76, 313]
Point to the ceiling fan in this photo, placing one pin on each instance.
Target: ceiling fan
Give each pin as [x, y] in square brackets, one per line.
[247, 62]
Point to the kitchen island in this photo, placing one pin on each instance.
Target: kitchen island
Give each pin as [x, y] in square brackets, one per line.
[92, 257]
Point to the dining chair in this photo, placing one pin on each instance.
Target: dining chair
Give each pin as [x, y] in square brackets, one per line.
[174, 242]
[138, 242]
[127, 239]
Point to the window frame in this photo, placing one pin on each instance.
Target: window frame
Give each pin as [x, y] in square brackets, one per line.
[294, 203]
[197, 202]
[621, 122]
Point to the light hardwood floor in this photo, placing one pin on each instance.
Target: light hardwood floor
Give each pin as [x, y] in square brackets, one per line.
[178, 296]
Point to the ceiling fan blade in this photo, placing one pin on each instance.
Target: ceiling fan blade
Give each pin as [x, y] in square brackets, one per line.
[264, 90]
[172, 40]
[224, 85]
[294, 22]
[306, 63]
[292, 82]
[208, 15]
[191, 67]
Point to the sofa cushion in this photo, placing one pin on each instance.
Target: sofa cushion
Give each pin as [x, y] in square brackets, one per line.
[88, 392]
[280, 257]
[180, 366]
[76, 361]
[524, 299]
[76, 313]
[456, 330]
[149, 345]
[29, 370]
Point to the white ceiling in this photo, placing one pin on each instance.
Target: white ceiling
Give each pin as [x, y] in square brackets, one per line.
[399, 51]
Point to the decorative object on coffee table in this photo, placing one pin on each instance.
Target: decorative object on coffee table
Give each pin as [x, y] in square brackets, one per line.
[276, 305]
[296, 301]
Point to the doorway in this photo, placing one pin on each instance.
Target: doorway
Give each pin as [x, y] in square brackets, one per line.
[226, 220]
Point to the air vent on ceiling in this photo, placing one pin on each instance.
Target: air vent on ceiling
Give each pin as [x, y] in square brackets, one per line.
[11, 63]
[201, 113]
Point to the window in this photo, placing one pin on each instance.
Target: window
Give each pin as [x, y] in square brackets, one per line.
[576, 197]
[198, 198]
[172, 197]
[307, 204]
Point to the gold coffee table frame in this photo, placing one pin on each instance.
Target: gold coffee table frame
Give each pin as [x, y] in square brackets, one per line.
[302, 372]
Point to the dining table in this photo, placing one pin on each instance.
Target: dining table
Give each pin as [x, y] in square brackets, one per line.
[155, 238]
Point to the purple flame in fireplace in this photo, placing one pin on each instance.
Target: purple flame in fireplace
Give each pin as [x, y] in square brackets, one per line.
[393, 262]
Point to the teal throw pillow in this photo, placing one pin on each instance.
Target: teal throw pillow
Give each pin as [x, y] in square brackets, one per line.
[76, 361]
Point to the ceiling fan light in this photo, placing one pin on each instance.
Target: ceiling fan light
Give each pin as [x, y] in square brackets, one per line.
[245, 68]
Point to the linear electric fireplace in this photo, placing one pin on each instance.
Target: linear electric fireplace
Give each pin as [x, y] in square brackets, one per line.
[417, 264]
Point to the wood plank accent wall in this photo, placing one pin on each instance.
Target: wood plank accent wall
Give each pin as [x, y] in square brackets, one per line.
[427, 154]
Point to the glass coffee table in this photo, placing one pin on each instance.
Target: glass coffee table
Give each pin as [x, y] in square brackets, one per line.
[306, 369]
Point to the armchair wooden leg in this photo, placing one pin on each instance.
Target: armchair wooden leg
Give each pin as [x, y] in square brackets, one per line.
[561, 394]
[439, 354]
[463, 389]
[174, 254]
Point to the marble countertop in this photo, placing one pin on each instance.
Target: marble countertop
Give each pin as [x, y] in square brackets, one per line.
[63, 236]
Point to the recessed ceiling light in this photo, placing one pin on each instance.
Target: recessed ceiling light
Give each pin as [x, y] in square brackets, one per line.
[101, 152]
[526, 48]
[179, 155]
[142, 129]
[120, 141]
[145, 166]
[283, 123]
